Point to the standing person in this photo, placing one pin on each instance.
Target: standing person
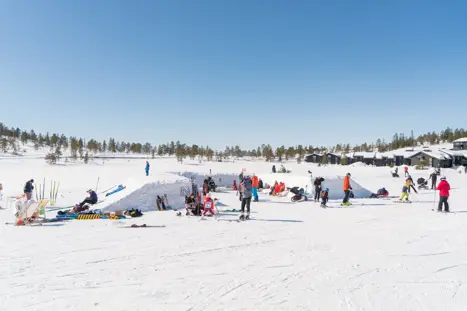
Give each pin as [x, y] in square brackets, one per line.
[406, 171]
[246, 190]
[1, 191]
[433, 177]
[255, 186]
[28, 188]
[240, 177]
[208, 206]
[205, 187]
[443, 188]
[406, 189]
[317, 183]
[147, 168]
[260, 184]
[347, 187]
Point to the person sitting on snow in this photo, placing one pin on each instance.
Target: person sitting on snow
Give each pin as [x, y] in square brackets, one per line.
[91, 199]
[324, 197]
[234, 186]
[260, 184]
[208, 205]
[190, 204]
[382, 192]
[273, 188]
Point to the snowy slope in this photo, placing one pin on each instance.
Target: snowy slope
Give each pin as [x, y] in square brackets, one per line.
[374, 255]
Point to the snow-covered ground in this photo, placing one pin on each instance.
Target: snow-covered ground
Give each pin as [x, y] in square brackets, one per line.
[374, 255]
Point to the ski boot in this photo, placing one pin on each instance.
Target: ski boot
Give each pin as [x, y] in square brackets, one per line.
[242, 217]
[247, 217]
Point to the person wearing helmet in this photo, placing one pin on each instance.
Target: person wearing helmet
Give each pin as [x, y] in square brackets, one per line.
[443, 188]
[28, 188]
[324, 197]
[208, 205]
[246, 189]
[347, 188]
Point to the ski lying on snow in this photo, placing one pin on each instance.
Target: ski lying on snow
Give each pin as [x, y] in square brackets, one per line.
[143, 226]
[228, 219]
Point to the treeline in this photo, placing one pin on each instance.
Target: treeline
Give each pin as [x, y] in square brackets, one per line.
[79, 148]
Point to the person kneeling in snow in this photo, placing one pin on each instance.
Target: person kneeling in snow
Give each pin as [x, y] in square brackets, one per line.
[91, 199]
[208, 205]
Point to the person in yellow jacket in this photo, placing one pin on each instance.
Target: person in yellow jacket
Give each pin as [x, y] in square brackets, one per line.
[405, 189]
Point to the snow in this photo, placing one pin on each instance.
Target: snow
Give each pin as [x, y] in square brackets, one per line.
[461, 140]
[374, 255]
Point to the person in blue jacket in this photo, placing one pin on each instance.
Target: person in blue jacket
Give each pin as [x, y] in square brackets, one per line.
[92, 199]
[147, 168]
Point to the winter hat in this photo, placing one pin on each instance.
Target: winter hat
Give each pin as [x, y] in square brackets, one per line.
[348, 174]
[32, 180]
[443, 178]
[326, 189]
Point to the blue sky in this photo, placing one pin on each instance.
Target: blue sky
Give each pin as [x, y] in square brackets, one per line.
[232, 72]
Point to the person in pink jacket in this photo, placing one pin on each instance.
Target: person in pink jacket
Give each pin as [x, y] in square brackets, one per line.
[443, 189]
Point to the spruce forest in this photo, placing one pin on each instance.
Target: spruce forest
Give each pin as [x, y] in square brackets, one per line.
[79, 148]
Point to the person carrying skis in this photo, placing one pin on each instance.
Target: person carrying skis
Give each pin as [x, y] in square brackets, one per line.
[246, 190]
[347, 188]
[254, 185]
[28, 188]
[443, 188]
[147, 168]
[317, 183]
[324, 197]
[433, 177]
[208, 206]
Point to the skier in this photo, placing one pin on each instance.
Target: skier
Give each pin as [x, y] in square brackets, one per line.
[254, 185]
[317, 183]
[324, 197]
[208, 205]
[147, 168]
[92, 199]
[28, 188]
[433, 177]
[246, 190]
[406, 189]
[443, 188]
[347, 188]
[406, 171]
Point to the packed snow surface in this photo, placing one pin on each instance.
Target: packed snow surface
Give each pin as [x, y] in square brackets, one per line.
[374, 255]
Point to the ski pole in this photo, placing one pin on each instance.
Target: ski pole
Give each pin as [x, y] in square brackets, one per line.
[97, 185]
[43, 190]
[56, 192]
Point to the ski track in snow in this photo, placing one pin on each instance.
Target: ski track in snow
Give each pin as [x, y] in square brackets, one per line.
[374, 255]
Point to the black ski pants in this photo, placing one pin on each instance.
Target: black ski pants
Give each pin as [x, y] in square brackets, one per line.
[88, 201]
[317, 193]
[443, 200]
[433, 183]
[246, 202]
[346, 196]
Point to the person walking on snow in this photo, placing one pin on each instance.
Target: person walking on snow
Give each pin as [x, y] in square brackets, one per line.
[433, 178]
[443, 188]
[254, 185]
[28, 188]
[246, 193]
[147, 168]
[347, 187]
[317, 183]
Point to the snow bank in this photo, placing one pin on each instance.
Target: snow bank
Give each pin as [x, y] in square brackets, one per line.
[221, 179]
[143, 195]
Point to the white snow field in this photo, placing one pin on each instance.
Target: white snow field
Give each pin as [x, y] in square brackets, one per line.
[375, 255]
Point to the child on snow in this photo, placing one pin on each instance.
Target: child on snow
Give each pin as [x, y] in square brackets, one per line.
[234, 186]
[405, 189]
[324, 197]
[208, 205]
[147, 168]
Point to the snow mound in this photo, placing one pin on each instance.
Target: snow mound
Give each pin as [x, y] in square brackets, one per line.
[335, 188]
[221, 180]
[143, 194]
[358, 164]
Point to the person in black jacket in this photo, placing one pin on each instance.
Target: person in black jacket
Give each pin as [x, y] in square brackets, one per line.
[434, 178]
[317, 183]
[28, 188]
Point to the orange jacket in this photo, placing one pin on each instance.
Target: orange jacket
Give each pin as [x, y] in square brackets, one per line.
[254, 182]
[346, 183]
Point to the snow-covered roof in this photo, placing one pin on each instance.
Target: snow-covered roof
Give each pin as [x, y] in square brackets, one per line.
[455, 153]
[433, 154]
[365, 155]
[336, 154]
[461, 140]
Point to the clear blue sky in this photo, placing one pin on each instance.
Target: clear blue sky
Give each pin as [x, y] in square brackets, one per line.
[234, 71]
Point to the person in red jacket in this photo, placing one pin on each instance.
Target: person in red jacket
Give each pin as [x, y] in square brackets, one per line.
[443, 188]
